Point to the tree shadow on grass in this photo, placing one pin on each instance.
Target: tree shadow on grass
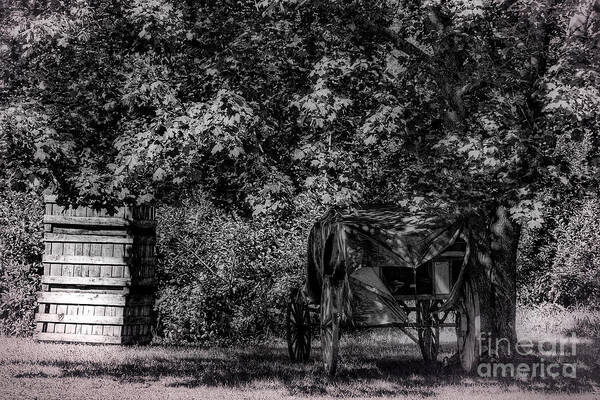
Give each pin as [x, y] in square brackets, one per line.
[364, 370]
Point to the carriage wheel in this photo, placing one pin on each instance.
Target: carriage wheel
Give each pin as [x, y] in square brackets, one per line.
[298, 329]
[331, 308]
[468, 327]
[429, 333]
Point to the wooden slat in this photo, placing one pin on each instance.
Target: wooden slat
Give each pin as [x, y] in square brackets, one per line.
[90, 260]
[59, 327]
[52, 310]
[85, 281]
[82, 298]
[50, 198]
[70, 230]
[65, 238]
[66, 337]
[101, 299]
[95, 221]
[72, 310]
[98, 312]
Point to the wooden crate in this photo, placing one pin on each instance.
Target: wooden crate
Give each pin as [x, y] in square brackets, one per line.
[97, 285]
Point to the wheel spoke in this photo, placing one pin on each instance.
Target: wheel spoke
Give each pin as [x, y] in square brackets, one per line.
[306, 336]
[298, 336]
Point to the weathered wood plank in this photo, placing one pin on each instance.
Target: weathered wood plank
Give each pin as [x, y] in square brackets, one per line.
[80, 338]
[70, 230]
[52, 310]
[100, 299]
[81, 298]
[96, 221]
[86, 329]
[71, 309]
[98, 312]
[118, 312]
[57, 249]
[66, 238]
[90, 281]
[89, 260]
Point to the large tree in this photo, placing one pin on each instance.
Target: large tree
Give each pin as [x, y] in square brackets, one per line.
[469, 106]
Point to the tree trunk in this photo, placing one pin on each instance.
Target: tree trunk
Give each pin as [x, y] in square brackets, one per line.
[492, 270]
[504, 244]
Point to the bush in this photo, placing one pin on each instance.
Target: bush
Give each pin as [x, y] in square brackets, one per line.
[538, 250]
[534, 273]
[576, 267]
[21, 248]
[224, 279]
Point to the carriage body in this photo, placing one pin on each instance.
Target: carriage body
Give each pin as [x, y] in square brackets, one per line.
[381, 268]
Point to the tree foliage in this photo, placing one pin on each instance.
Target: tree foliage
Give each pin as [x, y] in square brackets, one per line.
[456, 103]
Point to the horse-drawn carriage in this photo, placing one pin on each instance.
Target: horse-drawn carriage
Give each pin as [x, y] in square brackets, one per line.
[380, 268]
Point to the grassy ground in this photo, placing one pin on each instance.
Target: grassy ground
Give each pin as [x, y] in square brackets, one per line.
[374, 364]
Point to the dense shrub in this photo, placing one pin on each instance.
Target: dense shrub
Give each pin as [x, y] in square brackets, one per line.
[538, 249]
[576, 266]
[224, 279]
[21, 248]
[536, 253]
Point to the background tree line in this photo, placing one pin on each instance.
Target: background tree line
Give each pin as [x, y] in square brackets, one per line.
[257, 116]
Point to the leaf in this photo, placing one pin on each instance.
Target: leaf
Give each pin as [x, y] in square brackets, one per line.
[236, 151]
[465, 148]
[159, 174]
[491, 161]
[298, 155]
[534, 223]
[217, 148]
[474, 154]
[145, 198]
[123, 193]
[310, 181]
[40, 155]
[371, 139]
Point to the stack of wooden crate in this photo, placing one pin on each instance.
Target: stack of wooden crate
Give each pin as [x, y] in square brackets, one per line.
[97, 285]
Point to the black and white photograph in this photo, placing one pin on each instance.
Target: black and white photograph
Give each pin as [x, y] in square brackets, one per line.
[299, 199]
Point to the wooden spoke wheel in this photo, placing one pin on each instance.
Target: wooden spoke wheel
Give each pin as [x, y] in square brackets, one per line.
[468, 327]
[331, 310]
[298, 329]
[428, 333]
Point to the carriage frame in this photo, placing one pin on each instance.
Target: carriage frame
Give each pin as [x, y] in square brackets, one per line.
[426, 309]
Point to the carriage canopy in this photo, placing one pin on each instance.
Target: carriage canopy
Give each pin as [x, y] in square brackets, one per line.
[385, 256]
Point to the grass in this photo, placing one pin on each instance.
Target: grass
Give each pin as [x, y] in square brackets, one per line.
[552, 320]
[373, 364]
